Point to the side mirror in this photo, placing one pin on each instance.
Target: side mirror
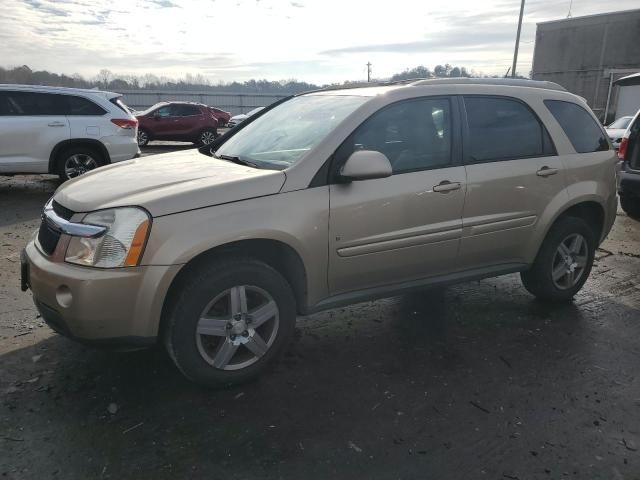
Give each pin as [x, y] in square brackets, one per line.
[366, 165]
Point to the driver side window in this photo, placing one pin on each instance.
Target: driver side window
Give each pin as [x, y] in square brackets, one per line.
[414, 135]
[164, 112]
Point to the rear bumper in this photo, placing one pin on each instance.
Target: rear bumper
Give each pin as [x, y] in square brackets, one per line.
[629, 184]
[121, 147]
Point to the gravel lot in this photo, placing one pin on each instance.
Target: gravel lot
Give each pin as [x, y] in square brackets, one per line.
[470, 382]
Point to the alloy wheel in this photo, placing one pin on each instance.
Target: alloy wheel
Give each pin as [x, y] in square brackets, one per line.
[237, 327]
[79, 163]
[570, 261]
[206, 138]
[143, 138]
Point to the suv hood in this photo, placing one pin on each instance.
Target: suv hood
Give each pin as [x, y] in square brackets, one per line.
[168, 183]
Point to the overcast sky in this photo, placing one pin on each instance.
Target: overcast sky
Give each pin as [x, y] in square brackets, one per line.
[319, 41]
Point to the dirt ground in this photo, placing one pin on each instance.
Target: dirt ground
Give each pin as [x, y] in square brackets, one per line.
[470, 382]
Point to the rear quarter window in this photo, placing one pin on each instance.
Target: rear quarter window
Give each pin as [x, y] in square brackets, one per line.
[82, 106]
[584, 133]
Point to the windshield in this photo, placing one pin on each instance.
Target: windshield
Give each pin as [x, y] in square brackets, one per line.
[622, 123]
[282, 136]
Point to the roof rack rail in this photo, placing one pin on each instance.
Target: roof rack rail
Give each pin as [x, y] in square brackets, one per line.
[512, 82]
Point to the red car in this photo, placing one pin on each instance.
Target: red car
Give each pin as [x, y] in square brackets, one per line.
[222, 116]
[177, 121]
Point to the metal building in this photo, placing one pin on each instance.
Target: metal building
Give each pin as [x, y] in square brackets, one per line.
[588, 54]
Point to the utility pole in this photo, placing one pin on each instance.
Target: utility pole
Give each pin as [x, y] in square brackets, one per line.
[368, 72]
[515, 52]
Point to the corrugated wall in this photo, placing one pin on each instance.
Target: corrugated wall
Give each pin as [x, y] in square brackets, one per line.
[583, 54]
[232, 102]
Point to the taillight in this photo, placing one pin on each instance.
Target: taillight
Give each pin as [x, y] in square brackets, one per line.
[125, 123]
[622, 150]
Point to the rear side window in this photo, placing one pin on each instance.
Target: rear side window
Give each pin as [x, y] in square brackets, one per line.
[7, 108]
[184, 110]
[82, 106]
[504, 129]
[582, 130]
[32, 103]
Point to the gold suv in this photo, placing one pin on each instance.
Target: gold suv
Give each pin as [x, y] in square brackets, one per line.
[325, 199]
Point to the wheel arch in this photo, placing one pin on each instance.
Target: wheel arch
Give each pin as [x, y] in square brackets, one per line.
[77, 142]
[590, 209]
[275, 253]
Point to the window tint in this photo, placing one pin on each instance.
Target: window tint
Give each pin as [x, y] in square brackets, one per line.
[583, 131]
[82, 106]
[6, 106]
[164, 111]
[31, 103]
[414, 135]
[184, 110]
[504, 129]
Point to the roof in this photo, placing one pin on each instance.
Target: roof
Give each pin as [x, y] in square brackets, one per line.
[55, 89]
[375, 88]
[633, 79]
[595, 16]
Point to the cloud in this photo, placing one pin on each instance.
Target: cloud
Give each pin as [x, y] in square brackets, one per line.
[164, 3]
[46, 7]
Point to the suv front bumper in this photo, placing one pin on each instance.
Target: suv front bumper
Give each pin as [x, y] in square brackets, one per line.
[119, 306]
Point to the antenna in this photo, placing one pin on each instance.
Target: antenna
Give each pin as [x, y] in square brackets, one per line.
[570, 5]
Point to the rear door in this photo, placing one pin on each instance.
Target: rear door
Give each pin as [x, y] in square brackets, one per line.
[400, 228]
[31, 125]
[513, 173]
[188, 120]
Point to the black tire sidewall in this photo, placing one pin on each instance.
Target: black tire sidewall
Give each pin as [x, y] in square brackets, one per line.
[538, 280]
[66, 153]
[197, 291]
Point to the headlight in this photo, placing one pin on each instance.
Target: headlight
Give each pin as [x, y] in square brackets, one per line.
[120, 246]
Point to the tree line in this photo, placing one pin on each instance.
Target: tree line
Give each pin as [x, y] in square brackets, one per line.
[108, 80]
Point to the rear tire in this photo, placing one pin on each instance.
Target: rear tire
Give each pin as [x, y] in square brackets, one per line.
[229, 320]
[631, 206]
[75, 161]
[564, 261]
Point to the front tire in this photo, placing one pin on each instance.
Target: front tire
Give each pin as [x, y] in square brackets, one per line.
[76, 161]
[143, 137]
[229, 321]
[630, 206]
[206, 137]
[564, 261]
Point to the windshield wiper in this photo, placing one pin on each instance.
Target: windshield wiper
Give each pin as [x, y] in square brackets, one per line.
[235, 159]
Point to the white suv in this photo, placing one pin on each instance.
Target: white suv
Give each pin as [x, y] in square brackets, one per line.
[64, 131]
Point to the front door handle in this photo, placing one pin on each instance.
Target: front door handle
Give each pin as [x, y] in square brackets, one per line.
[446, 186]
[546, 171]
[57, 124]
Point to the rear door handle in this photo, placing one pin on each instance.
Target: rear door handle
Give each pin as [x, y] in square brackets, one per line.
[446, 186]
[546, 172]
[57, 124]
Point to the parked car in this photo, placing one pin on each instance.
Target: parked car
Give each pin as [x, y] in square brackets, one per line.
[237, 119]
[629, 153]
[616, 130]
[329, 198]
[177, 121]
[222, 116]
[63, 131]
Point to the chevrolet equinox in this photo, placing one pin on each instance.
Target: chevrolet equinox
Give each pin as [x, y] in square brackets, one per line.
[326, 198]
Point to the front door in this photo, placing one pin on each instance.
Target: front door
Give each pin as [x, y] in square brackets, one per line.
[407, 226]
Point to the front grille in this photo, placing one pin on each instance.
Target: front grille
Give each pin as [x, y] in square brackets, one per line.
[48, 238]
[61, 211]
